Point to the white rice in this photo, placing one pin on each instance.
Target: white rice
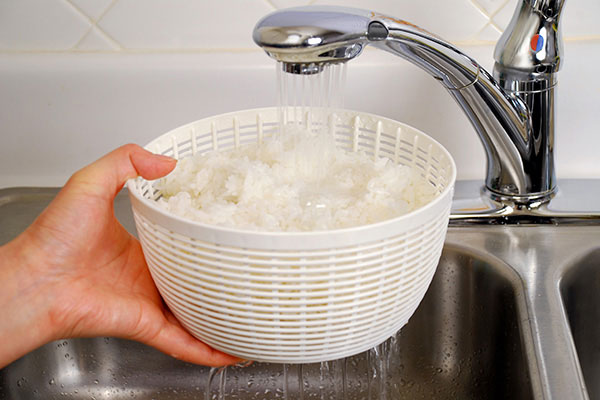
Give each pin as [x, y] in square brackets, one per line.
[300, 182]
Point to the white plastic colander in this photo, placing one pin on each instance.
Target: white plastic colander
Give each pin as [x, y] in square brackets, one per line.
[296, 297]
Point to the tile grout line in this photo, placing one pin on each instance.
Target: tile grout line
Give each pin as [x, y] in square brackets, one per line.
[270, 3]
[489, 16]
[102, 31]
[480, 8]
[86, 17]
[94, 26]
[495, 26]
[493, 14]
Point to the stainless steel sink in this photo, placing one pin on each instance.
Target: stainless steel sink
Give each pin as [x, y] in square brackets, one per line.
[495, 323]
[580, 289]
[463, 342]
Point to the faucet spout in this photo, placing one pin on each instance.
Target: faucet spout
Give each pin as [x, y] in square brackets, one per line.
[305, 38]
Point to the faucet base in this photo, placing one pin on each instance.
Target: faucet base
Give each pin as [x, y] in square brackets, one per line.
[575, 202]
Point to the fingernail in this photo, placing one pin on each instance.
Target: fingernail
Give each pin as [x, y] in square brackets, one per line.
[165, 158]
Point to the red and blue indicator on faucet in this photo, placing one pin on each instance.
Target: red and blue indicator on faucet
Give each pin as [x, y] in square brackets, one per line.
[537, 43]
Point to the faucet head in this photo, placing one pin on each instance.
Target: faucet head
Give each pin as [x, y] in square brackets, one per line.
[304, 39]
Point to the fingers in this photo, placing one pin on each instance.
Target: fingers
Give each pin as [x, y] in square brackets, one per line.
[107, 175]
[175, 341]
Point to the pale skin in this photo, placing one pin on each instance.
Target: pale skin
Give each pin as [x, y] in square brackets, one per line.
[76, 272]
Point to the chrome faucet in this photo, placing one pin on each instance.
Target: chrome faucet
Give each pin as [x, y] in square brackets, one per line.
[512, 112]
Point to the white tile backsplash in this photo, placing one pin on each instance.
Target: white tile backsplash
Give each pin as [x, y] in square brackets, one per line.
[80, 77]
[183, 24]
[40, 25]
[580, 19]
[192, 25]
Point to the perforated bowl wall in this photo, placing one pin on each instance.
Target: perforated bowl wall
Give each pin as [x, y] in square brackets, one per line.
[296, 296]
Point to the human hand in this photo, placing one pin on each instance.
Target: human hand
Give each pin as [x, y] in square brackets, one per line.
[76, 272]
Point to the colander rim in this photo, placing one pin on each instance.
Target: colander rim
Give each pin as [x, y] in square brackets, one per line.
[447, 191]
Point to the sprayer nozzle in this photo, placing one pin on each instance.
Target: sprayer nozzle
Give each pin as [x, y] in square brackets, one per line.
[302, 68]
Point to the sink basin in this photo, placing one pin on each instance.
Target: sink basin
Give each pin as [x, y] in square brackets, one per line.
[463, 342]
[580, 289]
[511, 313]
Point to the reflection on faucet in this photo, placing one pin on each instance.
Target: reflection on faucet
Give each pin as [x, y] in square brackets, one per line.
[512, 113]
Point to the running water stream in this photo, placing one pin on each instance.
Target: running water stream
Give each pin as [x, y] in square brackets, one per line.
[307, 100]
[306, 104]
[366, 376]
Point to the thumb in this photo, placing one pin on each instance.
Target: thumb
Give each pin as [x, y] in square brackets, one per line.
[106, 176]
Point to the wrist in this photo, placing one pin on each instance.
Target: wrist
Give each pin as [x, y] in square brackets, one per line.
[25, 301]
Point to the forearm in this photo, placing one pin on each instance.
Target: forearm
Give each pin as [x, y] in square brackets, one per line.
[24, 303]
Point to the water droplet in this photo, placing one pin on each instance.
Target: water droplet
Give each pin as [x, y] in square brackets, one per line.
[51, 382]
[96, 381]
